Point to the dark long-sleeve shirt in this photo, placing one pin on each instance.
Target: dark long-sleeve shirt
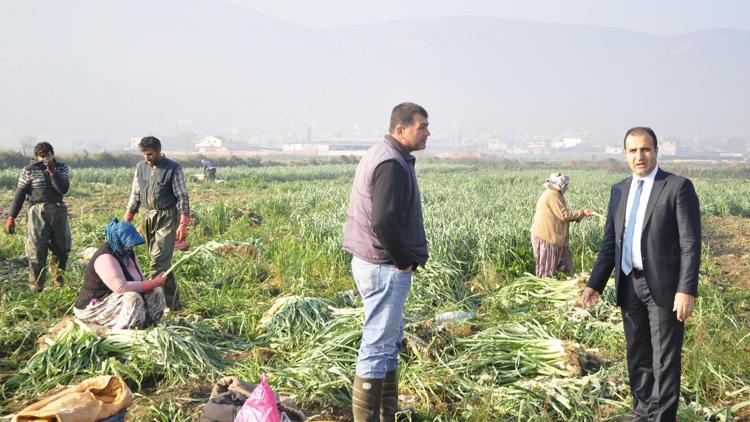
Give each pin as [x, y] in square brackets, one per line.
[389, 208]
[40, 185]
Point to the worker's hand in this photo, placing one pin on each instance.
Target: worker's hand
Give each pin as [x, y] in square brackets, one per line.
[589, 297]
[587, 212]
[49, 162]
[128, 217]
[156, 281]
[10, 225]
[181, 245]
[683, 306]
[160, 280]
[182, 230]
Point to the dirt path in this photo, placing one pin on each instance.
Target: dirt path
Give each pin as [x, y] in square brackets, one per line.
[729, 238]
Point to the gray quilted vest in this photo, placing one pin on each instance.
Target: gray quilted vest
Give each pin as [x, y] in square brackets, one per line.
[359, 238]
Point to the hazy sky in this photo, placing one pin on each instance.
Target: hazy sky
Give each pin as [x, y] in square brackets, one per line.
[97, 73]
[664, 17]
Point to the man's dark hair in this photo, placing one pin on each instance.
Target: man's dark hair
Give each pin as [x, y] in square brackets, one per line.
[403, 114]
[42, 148]
[640, 131]
[149, 142]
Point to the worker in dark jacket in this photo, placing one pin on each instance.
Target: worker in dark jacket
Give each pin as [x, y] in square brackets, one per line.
[209, 170]
[43, 184]
[159, 186]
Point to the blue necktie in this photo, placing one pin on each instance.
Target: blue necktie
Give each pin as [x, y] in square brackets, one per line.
[627, 245]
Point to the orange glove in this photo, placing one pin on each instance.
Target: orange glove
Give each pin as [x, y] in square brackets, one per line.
[10, 225]
[182, 230]
[150, 285]
[128, 217]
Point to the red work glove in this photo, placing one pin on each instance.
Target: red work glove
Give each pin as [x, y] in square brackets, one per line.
[150, 285]
[181, 245]
[128, 217]
[10, 225]
[182, 230]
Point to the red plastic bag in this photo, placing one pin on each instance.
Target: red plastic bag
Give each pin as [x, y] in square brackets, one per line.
[260, 406]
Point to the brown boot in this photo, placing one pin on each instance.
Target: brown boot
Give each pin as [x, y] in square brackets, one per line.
[389, 402]
[366, 395]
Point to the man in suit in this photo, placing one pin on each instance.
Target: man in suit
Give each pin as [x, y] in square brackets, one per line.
[652, 240]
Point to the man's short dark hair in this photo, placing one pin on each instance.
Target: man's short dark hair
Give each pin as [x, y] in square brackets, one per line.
[149, 142]
[403, 114]
[42, 148]
[641, 131]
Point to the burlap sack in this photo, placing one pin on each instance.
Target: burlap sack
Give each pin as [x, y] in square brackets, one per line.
[91, 400]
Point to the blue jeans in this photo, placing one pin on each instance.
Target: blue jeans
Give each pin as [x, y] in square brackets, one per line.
[384, 290]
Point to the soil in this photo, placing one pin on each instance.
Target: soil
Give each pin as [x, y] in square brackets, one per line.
[727, 237]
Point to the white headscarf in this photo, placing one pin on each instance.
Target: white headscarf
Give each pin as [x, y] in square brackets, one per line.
[557, 181]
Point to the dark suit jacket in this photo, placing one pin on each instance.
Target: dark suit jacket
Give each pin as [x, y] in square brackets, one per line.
[670, 241]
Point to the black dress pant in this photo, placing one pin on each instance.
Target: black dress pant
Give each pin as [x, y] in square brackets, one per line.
[654, 344]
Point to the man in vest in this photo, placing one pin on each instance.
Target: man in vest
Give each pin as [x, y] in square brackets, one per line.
[384, 232]
[43, 183]
[159, 185]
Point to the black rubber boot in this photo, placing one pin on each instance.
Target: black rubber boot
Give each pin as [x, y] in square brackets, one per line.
[389, 402]
[366, 396]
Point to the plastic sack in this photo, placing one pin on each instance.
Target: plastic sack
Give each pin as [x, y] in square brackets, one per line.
[260, 406]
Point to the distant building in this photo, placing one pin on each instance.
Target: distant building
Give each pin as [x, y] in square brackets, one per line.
[348, 149]
[537, 148]
[299, 148]
[566, 143]
[332, 149]
[134, 144]
[212, 144]
[495, 146]
[613, 150]
[668, 148]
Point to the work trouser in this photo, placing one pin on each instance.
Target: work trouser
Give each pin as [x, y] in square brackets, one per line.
[159, 227]
[210, 174]
[47, 230]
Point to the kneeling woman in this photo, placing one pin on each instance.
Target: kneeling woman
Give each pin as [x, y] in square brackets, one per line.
[114, 293]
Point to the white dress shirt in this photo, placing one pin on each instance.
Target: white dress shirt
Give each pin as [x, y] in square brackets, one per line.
[648, 183]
